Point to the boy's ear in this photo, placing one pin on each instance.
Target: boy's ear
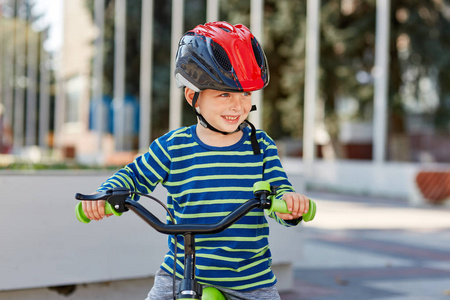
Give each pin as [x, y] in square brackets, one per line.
[189, 95]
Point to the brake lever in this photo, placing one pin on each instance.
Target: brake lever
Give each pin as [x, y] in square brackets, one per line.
[118, 197]
[115, 196]
[104, 195]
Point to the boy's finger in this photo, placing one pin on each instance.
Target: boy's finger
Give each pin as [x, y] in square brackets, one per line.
[289, 202]
[96, 210]
[306, 205]
[84, 206]
[296, 205]
[285, 216]
[302, 206]
[92, 209]
[101, 208]
[88, 210]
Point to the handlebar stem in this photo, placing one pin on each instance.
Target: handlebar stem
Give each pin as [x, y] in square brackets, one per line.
[189, 286]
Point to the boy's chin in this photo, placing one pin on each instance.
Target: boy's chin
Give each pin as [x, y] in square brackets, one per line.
[229, 128]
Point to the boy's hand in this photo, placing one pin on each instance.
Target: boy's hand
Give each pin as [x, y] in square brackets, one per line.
[298, 204]
[94, 210]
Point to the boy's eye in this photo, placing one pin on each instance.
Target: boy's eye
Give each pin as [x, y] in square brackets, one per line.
[226, 95]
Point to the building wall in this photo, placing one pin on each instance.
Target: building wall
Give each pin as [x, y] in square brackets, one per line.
[77, 53]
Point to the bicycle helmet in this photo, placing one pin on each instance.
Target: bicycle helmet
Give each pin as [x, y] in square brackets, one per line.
[222, 57]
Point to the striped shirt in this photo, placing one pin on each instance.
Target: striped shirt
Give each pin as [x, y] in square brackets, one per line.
[204, 184]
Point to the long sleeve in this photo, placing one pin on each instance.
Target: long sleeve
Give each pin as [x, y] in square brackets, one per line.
[145, 172]
[276, 176]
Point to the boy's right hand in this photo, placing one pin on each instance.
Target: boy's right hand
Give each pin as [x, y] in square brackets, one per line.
[94, 210]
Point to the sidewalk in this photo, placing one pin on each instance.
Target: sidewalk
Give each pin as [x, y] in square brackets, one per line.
[367, 248]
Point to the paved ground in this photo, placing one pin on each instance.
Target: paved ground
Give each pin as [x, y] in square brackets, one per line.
[367, 248]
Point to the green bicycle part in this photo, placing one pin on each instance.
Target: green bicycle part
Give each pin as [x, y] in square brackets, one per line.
[84, 219]
[309, 216]
[261, 186]
[211, 293]
[280, 206]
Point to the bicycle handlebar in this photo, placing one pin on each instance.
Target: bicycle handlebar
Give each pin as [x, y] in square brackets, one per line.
[118, 202]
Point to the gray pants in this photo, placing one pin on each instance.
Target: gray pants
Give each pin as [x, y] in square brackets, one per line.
[162, 290]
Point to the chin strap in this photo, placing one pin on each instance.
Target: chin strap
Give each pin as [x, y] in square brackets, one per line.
[204, 123]
[253, 140]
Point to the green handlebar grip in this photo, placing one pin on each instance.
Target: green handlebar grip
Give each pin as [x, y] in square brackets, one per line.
[309, 216]
[84, 219]
[281, 207]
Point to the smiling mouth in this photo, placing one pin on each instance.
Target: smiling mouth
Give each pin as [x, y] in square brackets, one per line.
[231, 118]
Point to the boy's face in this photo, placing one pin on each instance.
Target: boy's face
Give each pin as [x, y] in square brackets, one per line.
[224, 110]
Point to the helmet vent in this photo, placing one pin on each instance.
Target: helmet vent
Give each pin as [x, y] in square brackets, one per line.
[221, 57]
[257, 52]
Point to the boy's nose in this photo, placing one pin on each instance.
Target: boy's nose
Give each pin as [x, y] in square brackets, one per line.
[236, 101]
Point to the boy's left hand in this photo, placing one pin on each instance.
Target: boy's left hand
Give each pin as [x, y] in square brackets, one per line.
[298, 204]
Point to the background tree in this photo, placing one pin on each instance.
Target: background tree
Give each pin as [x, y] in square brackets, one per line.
[421, 43]
[17, 33]
[419, 62]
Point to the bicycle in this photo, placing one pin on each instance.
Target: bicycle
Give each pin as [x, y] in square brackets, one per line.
[118, 202]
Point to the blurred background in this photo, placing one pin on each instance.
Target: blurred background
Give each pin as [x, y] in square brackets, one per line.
[358, 101]
[355, 85]
[71, 70]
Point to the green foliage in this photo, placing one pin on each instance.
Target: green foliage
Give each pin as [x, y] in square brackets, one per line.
[421, 40]
[17, 34]
[347, 43]
[347, 58]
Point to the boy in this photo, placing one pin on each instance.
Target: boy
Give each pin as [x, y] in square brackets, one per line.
[209, 169]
